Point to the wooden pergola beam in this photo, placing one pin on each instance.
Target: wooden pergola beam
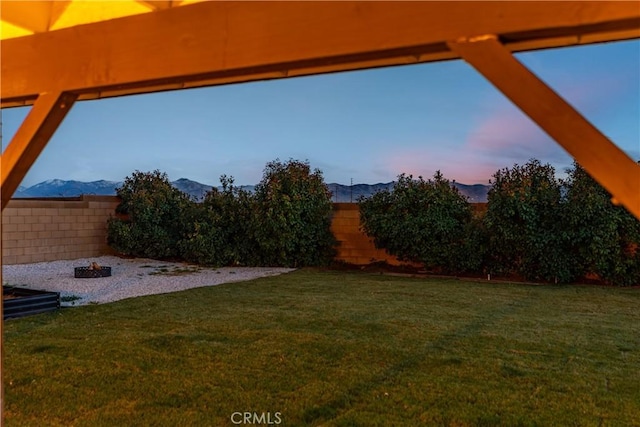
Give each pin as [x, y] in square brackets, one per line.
[215, 42]
[37, 16]
[158, 4]
[602, 159]
[37, 128]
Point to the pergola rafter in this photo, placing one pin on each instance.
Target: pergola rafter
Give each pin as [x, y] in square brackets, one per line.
[40, 124]
[213, 43]
[42, 14]
[596, 153]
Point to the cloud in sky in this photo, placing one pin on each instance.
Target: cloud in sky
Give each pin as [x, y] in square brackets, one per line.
[503, 135]
[508, 135]
[425, 162]
[498, 134]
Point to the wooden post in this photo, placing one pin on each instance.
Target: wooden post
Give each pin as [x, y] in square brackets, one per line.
[601, 158]
[42, 121]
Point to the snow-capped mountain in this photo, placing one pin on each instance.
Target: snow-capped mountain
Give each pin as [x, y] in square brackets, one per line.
[340, 193]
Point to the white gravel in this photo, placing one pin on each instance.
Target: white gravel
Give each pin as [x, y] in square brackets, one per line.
[129, 278]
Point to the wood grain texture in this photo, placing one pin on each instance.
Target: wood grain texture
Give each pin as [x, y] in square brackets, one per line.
[220, 42]
[37, 128]
[600, 157]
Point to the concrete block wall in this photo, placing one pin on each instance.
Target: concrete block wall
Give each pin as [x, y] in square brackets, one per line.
[37, 230]
[355, 247]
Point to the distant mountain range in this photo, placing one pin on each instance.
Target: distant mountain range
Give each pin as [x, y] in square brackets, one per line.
[476, 193]
[60, 188]
[340, 193]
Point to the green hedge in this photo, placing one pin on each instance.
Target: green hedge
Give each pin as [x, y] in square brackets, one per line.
[158, 217]
[536, 226]
[223, 228]
[605, 238]
[526, 226]
[428, 222]
[286, 222]
[292, 222]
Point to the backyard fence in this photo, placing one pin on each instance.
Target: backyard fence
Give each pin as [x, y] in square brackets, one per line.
[37, 230]
[49, 229]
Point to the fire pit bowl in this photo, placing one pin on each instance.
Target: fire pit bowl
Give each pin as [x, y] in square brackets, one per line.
[91, 273]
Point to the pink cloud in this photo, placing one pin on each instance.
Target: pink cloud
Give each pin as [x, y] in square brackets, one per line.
[509, 132]
[455, 164]
[504, 135]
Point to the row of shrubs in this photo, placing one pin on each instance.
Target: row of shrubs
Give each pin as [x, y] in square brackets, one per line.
[284, 222]
[536, 226]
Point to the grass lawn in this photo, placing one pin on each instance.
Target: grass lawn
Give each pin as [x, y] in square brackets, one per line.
[333, 348]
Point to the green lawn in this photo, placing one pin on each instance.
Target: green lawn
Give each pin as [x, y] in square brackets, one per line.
[333, 348]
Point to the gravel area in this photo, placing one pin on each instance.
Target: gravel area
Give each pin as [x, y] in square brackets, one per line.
[129, 278]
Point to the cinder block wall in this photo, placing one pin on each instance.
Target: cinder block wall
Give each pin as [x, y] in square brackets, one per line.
[68, 228]
[355, 247]
[52, 229]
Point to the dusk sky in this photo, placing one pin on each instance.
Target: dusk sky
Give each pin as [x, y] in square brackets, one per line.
[368, 126]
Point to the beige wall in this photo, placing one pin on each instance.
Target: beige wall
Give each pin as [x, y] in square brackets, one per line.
[68, 228]
[52, 229]
[355, 247]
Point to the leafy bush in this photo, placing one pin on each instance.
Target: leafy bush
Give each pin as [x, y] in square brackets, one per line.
[292, 217]
[605, 238]
[222, 232]
[536, 225]
[428, 222]
[524, 220]
[158, 216]
[204, 244]
[286, 222]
